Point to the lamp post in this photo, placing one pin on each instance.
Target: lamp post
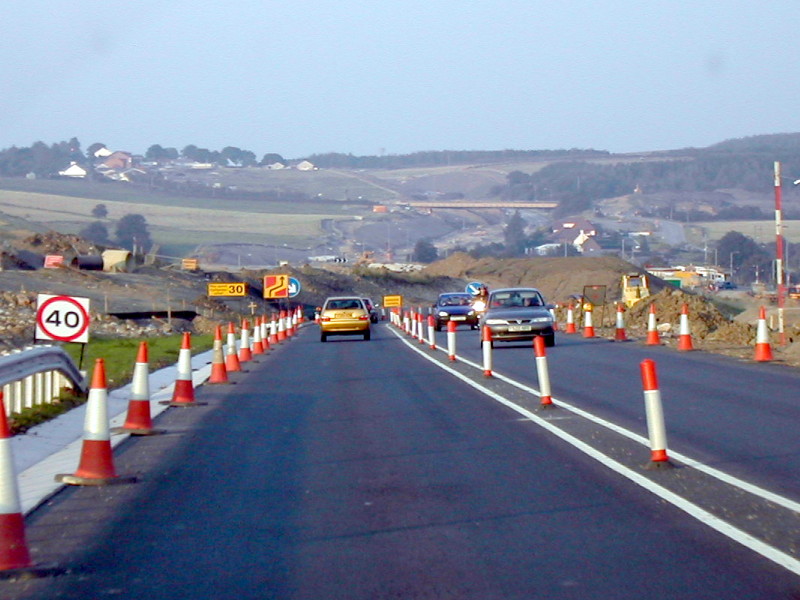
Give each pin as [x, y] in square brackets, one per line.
[732, 253]
[779, 253]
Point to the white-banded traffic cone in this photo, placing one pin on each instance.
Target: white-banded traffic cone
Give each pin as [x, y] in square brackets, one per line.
[258, 342]
[273, 331]
[96, 465]
[655, 416]
[588, 326]
[14, 552]
[763, 348]
[281, 326]
[570, 320]
[232, 364]
[183, 394]
[219, 374]
[619, 331]
[245, 352]
[486, 344]
[265, 334]
[653, 338]
[451, 341]
[542, 372]
[138, 420]
[684, 335]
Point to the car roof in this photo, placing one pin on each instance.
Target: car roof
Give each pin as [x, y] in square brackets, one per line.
[519, 289]
[454, 294]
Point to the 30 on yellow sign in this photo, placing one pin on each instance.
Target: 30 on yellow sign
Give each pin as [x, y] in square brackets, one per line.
[227, 289]
[393, 301]
[276, 286]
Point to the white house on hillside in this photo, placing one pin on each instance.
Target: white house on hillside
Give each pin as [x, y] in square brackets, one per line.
[74, 170]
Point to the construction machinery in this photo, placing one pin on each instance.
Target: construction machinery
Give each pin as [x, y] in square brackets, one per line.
[635, 286]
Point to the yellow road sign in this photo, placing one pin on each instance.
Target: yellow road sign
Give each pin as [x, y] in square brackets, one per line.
[276, 286]
[393, 301]
[227, 289]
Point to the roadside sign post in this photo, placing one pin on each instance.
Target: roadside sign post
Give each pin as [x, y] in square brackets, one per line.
[63, 319]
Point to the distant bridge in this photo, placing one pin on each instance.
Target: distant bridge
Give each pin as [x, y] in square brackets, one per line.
[461, 204]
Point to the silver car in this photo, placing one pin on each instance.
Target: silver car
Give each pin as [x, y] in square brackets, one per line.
[518, 314]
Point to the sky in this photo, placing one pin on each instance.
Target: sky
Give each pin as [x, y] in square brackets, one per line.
[384, 77]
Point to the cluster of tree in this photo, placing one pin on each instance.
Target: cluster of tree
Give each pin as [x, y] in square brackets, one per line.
[41, 159]
[441, 158]
[744, 164]
[131, 231]
[229, 155]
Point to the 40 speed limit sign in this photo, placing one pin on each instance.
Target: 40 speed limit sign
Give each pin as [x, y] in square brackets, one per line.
[62, 318]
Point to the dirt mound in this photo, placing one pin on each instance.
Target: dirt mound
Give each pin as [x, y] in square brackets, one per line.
[53, 242]
[557, 278]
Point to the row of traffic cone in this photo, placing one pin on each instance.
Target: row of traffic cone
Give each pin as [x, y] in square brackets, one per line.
[96, 465]
[763, 349]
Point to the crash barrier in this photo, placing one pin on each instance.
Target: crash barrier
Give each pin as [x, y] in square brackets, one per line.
[37, 375]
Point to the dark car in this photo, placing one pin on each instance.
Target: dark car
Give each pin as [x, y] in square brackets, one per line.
[374, 315]
[456, 307]
[518, 314]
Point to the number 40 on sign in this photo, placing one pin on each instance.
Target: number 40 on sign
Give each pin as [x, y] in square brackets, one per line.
[62, 318]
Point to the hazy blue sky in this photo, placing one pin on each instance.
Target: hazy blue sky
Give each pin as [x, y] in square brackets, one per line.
[395, 77]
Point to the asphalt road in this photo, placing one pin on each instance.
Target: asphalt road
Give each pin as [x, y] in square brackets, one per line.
[358, 469]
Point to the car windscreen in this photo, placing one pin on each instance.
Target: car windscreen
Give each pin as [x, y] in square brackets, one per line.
[516, 298]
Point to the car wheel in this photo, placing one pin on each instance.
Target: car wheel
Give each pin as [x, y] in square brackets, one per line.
[367, 336]
[323, 337]
[437, 327]
[550, 340]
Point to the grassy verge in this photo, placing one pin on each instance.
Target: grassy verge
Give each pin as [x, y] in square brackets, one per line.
[119, 355]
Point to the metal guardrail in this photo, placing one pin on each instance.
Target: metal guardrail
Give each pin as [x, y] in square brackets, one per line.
[36, 375]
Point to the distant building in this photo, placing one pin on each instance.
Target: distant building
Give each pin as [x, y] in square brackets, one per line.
[74, 170]
[305, 166]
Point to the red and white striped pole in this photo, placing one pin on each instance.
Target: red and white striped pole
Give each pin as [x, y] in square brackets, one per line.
[779, 254]
[542, 372]
[684, 335]
[652, 331]
[654, 410]
[432, 332]
[420, 326]
[619, 332]
[451, 340]
[570, 319]
[486, 343]
[763, 349]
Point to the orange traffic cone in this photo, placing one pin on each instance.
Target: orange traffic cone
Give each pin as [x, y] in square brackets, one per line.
[139, 421]
[13, 547]
[619, 332]
[265, 334]
[183, 394]
[219, 374]
[570, 320]
[245, 353]
[652, 332]
[684, 335]
[258, 343]
[232, 363]
[763, 348]
[588, 327]
[97, 463]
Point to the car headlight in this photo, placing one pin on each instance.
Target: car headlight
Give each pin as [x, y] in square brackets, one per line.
[496, 322]
[541, 320]
[479, 305]
[442, 313]
[471, 313]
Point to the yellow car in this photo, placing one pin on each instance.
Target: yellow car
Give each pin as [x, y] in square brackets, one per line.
[344, 315]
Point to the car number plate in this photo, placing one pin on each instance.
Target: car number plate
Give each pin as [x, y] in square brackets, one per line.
[520, 328]
[458, 318]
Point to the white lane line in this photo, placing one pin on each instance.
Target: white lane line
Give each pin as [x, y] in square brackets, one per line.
[751, 488]
[781, 558]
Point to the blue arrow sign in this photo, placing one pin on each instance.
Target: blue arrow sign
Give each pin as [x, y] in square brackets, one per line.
[294, 287]
[472, 288]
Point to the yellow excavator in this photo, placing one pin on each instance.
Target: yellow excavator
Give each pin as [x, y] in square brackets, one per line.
[634, 287]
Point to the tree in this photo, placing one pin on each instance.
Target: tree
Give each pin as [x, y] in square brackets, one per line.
[100, 211]
[158, 153]
[270, 158]
[92, 149]
[514, 235]
[132, 232]
[95, 232]
[744, 255]
[425, 251]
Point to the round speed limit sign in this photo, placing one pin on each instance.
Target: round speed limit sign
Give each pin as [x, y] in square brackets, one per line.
[62, 318]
